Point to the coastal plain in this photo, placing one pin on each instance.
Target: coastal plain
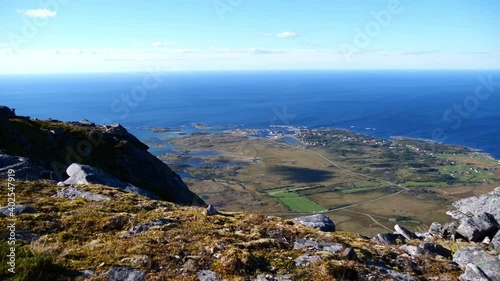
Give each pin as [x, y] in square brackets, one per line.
[361, 182]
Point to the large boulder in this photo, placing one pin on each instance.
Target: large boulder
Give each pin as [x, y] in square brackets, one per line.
[478, 205]
[476, 227]
[319, 221]
[84, 174]
[489, 264]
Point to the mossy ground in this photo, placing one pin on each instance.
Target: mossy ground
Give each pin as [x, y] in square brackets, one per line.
[81, 235]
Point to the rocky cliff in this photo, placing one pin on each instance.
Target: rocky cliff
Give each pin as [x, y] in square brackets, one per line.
[46, 148]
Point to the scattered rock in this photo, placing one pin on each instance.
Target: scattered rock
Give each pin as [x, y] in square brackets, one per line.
[476, 228]
[349, 254]
[389, 238]
[436, 229]
[473, 273]
[145, 227]
[268, 277]
[16, 210]
[405, 232]
[207, 275]
[398, 276]
[475, 255]
[412, 250]
[27, 235]
[210, 211]
[73, 193]
[435, 249]
[456, 214]
[329, 247]
[318, 221]
[450, 230]
[306, 260]
[83, 174]
[122, 273]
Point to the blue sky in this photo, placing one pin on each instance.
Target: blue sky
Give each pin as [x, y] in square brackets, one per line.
[58, 36]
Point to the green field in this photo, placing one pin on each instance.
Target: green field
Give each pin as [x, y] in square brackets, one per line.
[297, 202]
[425, 184]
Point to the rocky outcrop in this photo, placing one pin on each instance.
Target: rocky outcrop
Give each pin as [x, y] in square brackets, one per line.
[319, 221]
[321, 246]
[145, 227]
[207, 275]
[54, 145]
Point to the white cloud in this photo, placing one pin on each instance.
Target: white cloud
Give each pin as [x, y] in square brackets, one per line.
[39, 13]
[163, 44]
[287, 34]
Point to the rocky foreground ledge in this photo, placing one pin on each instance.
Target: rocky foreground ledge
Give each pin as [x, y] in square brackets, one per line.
[105, 216]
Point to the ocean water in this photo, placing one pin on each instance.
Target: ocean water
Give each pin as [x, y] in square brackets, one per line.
[456, 107]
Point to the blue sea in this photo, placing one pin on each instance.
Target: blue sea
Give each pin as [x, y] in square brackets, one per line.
[455, 107]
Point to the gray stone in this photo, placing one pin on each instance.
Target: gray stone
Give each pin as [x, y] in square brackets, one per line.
[349, 254]
[496, 241]
[412, 250]
[456, 214]
[122, 273]
[269, 277]
[210, 211]
[435, 249]
[475, 255]
[322, 246]
[318, 221]
[306, 260]
[473, 273]
[405, 232]
[83, 174]
[450, 230]
[436, 229]
[16, 210]
[398, 276]
[478, 205]
[476, 228]
[207, 275]
[73, 193]
[145, 227]
[389, 238]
